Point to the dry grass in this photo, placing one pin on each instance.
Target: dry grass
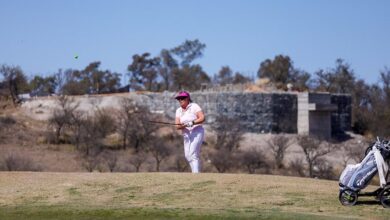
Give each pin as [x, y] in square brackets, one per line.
[217, 194]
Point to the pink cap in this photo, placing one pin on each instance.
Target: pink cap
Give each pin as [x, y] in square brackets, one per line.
[183, 94]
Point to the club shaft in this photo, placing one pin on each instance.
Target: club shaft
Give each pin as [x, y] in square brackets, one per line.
[162, 122]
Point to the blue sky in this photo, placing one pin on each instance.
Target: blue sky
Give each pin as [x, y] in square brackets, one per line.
[44, 36]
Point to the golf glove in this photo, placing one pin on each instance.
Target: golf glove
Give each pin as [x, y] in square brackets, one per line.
[189, 124]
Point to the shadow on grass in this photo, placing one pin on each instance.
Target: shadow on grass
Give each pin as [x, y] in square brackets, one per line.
[368, 202]
[62, 213]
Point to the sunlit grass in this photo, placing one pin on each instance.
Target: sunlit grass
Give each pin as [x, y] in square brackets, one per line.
[173, 196]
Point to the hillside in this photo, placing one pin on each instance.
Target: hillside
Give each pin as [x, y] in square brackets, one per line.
[25, 143]
[173, 196]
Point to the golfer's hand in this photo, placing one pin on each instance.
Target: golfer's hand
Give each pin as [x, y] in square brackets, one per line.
[189, 124]
[180, 126]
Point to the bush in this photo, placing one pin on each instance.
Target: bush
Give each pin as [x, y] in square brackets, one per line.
[111, 159]
[314, 149]
[137, 160]
[7, 120]
[323, 169]
[297, 167]
[2, 166]
[253, 160]
[90, 163]
[14, 162]
[180, 163]
[223, 160]
[278, 145]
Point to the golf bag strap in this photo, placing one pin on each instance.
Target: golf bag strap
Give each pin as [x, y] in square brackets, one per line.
[382, 167]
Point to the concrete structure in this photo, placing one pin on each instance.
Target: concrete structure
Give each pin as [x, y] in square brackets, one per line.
[314, 114]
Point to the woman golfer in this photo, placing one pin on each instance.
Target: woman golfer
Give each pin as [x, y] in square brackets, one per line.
[189, 119]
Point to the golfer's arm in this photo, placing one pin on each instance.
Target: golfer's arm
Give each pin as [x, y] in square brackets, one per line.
[199, 118]
[177, 122]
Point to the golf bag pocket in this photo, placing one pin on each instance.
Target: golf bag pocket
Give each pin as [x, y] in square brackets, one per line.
[347, 173]
[356, 177]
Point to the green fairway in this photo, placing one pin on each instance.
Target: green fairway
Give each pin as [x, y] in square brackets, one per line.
[142, 213]
[29, 195]
[58, 213]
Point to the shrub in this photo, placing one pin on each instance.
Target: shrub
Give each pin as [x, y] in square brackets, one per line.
[278, 145]
[180, 163]
[90, 163]
[253, 160]
[7, 120]
[297, 167]
[323, 169]
[15, 162]
[222, 160]
[137, 160]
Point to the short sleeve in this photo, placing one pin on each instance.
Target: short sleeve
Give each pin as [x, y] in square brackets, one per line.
[178, 113]
[196, 108]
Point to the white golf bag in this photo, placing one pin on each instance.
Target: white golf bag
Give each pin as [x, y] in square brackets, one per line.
[356, 177]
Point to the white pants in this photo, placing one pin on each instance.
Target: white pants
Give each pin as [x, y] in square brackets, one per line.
[192, 144]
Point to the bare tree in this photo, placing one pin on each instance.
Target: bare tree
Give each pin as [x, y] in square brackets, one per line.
[228, 136]
[141, 131]
[91, 140]
[77, 127]
[5, 123]
[181, 165]
[111, 159]
[314, 149]
[58, 122]
[278, 145]
[89, 130]
[354, 151]
[324, 169]
[62, 115]
[228, 132]
[137, 160]
[104, 121]
[133, 125]
[297, 167]
[159, 150]
[125, 120]
[19, 162]
[90, 163]
[103, 118]
[222, 160]
[253, 159]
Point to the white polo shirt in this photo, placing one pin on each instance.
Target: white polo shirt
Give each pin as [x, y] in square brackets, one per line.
[188, 114]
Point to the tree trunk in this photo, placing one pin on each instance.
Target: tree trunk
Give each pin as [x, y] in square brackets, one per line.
[58, 133]
[124, 142]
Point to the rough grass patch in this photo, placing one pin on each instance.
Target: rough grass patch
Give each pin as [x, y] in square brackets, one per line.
[129, 189]
[203, 184]
[73, 191]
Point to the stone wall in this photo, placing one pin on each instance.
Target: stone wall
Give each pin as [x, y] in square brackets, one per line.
[342, 118]
[257, 112]
[320, 115]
